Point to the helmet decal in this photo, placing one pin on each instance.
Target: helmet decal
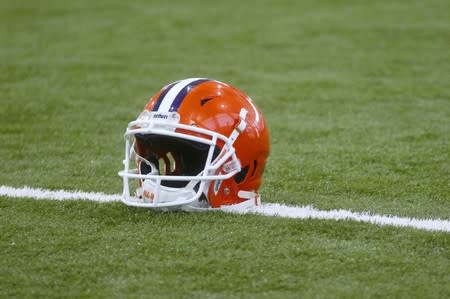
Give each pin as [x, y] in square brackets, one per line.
[172, 97]
[163, 94]
[206, 100]
[182, 94]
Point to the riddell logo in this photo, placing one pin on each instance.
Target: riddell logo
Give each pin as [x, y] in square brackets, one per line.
[150, 196]
[160, 116]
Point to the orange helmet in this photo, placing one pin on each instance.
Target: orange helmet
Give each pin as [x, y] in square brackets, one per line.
[199, 143]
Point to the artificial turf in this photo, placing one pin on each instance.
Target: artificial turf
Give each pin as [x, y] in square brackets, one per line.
[356, 95]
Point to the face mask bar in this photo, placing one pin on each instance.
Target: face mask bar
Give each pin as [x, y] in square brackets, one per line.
[167, 197]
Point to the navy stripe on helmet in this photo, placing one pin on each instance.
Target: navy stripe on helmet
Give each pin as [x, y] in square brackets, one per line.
[162, 95]
[183, 93]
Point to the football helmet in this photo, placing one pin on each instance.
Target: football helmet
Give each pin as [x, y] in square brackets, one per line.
[199, 143]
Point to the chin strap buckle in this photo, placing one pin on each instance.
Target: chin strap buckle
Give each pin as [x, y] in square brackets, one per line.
[231, 166]
[254, 199]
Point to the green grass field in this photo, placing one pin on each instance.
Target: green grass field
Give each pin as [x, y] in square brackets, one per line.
[357, 98]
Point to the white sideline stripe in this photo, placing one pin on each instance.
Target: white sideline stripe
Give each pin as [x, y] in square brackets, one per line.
[266, 209]
[38, 193]
[309, 212]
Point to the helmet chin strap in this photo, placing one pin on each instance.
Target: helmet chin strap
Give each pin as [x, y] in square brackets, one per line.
[140, 190]
[240, 127]
[235, 164]
[154, 170]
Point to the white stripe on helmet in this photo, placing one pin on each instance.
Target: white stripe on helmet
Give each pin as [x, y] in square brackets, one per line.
[173, 92]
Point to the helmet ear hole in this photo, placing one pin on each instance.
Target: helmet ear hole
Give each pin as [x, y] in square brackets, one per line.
[240, 176]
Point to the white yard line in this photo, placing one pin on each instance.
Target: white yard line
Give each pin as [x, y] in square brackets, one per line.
[267, 209]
